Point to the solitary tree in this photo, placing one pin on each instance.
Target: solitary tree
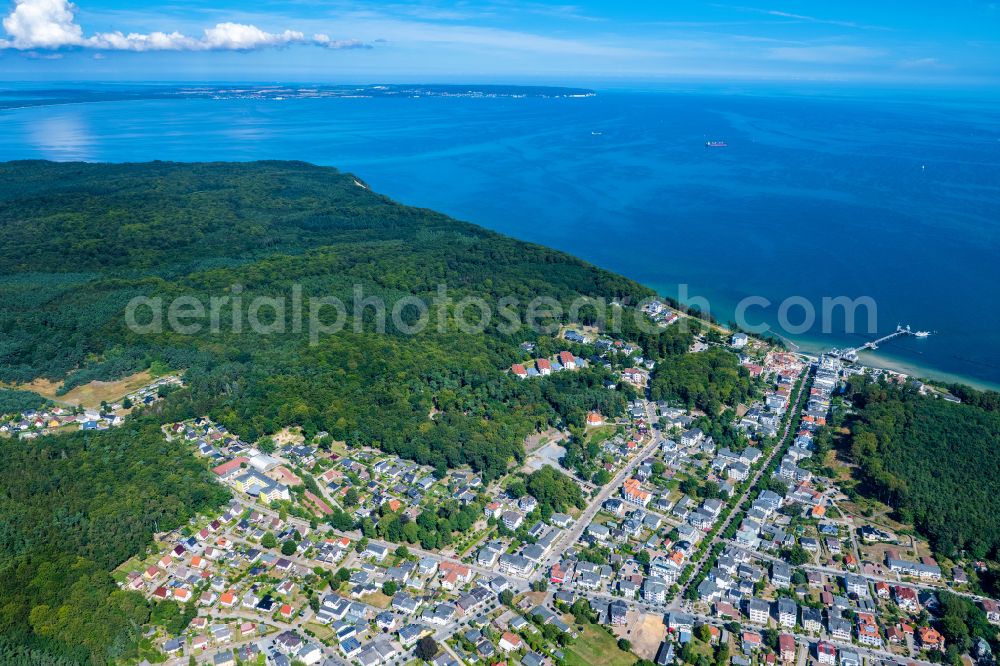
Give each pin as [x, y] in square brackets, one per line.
[427, 648]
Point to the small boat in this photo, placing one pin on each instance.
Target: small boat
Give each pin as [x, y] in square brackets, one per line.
[922, 334]
[715, 144]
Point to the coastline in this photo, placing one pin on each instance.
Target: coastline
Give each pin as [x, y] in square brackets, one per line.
[813, 345]
[886, 361]
[601, 198]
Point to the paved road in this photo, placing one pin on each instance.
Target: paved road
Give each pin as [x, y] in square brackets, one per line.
[519, 582]
[800, 638]
[872, 578]
[570, 536]
[737, 508]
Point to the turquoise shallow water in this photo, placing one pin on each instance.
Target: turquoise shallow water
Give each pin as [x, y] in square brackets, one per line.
[854, 195]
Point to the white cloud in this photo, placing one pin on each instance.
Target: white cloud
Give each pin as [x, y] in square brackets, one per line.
[237, 36]
[45, 24]
[324, 40]
[50, 24]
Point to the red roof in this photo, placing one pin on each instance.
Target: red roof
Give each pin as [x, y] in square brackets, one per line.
[930, 636]
[518, 369]
[724, 609]
[565, 357]
[227, 467]
[543, 363]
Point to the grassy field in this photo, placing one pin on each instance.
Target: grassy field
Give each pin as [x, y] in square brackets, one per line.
[601, 433]
[320, 631]
[377, 599]
[89, 395]
[596, 646]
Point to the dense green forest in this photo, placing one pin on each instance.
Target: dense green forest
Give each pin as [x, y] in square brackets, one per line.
[15, 402]
[170, 230]
[73, 507]
[707, 380]
[933, 461]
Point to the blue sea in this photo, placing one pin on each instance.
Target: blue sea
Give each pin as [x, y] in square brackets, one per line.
[892, 196]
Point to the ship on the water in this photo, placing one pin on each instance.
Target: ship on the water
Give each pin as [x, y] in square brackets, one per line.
[715, 144]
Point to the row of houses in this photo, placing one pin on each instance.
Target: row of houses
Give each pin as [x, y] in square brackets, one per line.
[543, 367]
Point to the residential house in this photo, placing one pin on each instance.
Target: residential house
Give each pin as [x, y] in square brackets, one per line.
[787, 612]
[826, 653]
[758, 610]
[786, 648]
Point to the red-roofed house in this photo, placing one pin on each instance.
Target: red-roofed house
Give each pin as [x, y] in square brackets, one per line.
[634, 494]
[543, 365]
[931, 638]
[906, 598]
[510, 642]
[230, 468]
[992, 610]
[726, 610]
[519, 370]
[786, 647]
[634, 376]
[567, 360]
[454, 575]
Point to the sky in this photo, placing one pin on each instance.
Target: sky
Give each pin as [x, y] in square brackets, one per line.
[872, 42]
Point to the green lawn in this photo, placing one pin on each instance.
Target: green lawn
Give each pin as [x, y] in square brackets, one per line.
[601, 433]
[700, 648]
[596, 645]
